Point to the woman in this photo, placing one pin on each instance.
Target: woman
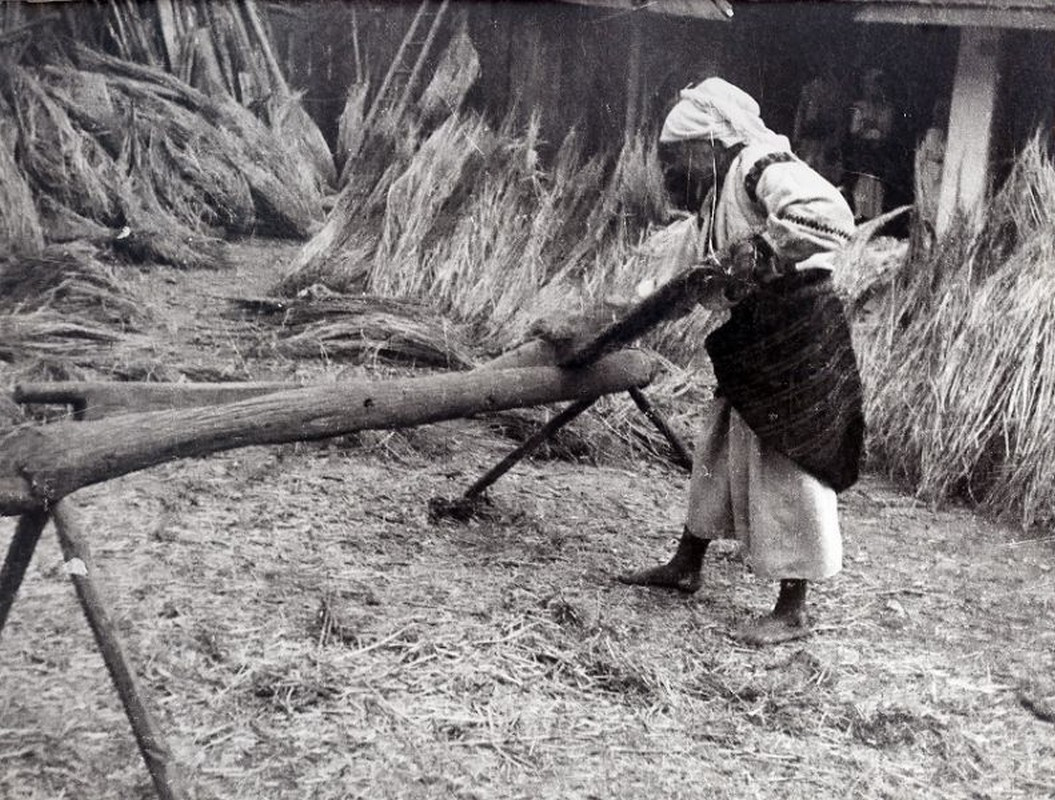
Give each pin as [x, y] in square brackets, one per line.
[785, 432]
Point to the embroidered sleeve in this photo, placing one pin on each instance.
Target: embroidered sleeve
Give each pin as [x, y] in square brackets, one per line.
[805, 214]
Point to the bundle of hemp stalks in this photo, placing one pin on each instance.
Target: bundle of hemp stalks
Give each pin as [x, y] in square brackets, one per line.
[109, 145]
[959, 374]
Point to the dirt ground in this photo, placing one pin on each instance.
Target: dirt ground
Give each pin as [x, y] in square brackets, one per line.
[303, 630]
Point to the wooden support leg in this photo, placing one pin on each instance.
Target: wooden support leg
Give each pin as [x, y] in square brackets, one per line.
[148, 736]
[24, 542]
[529, 446]
[682, 454]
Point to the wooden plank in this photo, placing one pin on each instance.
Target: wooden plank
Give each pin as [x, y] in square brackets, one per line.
[700, 9]
[81, 569]
[948, 15]
[62, 457]
[93, 400]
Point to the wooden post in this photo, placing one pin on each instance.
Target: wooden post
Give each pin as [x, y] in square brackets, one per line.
[528, 446]
[966, 171]
[263, 43]
[682, 454]
[19, 554]
[419, 64]
[148, 736]
[633, 76]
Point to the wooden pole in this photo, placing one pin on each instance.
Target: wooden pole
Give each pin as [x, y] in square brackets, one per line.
[19, 554]
[395, 66]
[682, 454]
[633, 77]
[169, 34]
[674, 299]
[148, 736]
[357, 56]
[419, 63]
[528, 446]
[59, 458]
[252, 13]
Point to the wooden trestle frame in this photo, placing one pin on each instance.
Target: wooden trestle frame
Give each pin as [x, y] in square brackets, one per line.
[39, 466]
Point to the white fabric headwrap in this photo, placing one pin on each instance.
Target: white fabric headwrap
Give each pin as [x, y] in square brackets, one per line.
[715, 109]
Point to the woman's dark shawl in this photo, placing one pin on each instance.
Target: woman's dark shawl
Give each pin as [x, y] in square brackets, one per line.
[785, 362]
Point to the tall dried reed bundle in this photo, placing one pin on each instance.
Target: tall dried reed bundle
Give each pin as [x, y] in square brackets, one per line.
[350, 130]
[83, 177]
[959, 371]
[292, 124]
[20, 228]
[339, 254]
[58, 158]
[472, 223]
[419, 197]
[285, 195]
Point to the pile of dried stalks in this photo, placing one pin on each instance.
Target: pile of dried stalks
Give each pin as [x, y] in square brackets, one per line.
[958, 357]
[65, 314]
[465, 218]
[20, 228]
[70, 280]
[127, 154]
[362, 329]
[53, 337]
[222, 49]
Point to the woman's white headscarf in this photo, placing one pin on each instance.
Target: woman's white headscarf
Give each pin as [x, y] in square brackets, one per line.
[715, 109]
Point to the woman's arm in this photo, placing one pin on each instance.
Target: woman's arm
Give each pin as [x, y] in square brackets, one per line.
[805, 214]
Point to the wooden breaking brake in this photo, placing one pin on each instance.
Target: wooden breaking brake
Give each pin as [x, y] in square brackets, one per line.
[39, 466]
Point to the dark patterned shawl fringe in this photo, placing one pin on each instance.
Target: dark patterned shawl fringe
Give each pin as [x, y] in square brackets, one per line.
[785, 362]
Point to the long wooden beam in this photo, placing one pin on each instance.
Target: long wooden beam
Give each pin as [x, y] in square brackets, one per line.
[97, 399]
[39, 465]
